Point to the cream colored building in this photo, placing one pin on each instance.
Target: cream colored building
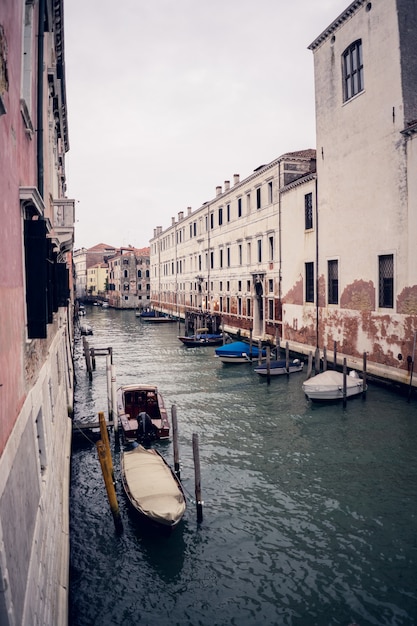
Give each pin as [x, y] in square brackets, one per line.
[327, 259]
[97, 277]
[227, 257]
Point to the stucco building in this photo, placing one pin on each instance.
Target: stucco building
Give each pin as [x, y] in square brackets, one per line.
[128, 278]
[36, 310]
[319, 246]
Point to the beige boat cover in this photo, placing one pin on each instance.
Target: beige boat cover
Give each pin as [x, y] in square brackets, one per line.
[152, 486]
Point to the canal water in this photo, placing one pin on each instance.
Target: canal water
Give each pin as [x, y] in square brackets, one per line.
[310, 511]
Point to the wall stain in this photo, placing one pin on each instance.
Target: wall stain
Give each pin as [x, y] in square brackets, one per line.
[407, 301]
[358, 296]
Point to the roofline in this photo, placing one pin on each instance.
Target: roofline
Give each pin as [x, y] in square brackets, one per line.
[347, 14]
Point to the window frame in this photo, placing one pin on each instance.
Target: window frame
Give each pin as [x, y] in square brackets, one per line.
[352, 70]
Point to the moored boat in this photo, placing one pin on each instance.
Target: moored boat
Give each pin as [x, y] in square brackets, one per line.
[152, 487]
[278, 368]
[141, 413]
[329, 385]
[238, 352]
[202, 338]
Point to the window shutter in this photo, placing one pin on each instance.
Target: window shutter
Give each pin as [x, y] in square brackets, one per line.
[36, 278]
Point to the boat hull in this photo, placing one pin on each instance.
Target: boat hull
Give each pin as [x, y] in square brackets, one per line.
[153, 489]
[201, 340]
[279, 368]
[238, 352]
[329, 386]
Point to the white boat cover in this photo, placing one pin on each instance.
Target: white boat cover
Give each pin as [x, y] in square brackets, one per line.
[152, 486]
[329, 385]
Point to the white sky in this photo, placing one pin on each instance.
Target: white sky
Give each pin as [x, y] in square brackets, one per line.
[169, 98]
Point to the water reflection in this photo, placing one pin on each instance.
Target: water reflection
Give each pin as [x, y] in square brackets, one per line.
[309, 510]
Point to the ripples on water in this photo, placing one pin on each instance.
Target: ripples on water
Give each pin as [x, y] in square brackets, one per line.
[309, 510]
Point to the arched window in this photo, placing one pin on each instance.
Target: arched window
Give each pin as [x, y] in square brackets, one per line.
[352, 70]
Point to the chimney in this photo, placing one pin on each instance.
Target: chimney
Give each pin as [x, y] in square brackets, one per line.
[172, 221]
[218, 190]
[226, 185]
[236, 179]
[189, 210]
[180, 215]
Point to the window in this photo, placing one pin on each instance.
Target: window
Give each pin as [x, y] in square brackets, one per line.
[228, 212]
[211, 260]
[220, 216]
[239, 306]
[228, 256]
[259, 250]
[239, 207]
[309, 285]
[248, 307]
[386, 281]
[271, 248]
[270, 309]
[308, 210]
[352, 70]
[270, 192]
[258, 198]
[211, 221]
[271, 285]
[248, 202]
[239, 248]
[332, 282]
[221, 257]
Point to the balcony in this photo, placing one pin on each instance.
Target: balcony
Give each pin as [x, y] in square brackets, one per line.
[63, 225]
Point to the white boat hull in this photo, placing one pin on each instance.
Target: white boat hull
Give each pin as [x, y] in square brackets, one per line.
[329, 386]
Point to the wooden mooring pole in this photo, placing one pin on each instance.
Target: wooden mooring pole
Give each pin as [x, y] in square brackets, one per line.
[268, 364]
[344, 382]
[108, 481]
[87, 358]
[364, 377]
[197, 478]
[175, 440]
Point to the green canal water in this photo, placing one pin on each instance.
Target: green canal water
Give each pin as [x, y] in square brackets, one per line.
[310, 510]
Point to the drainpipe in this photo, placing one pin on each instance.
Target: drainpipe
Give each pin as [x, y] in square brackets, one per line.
[317, 264]
[41, 33]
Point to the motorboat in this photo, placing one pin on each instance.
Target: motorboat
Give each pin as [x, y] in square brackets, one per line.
[239, 352]
[141, 413]
[278, 368]
[202, 338]
[329, 385]
[153, 489]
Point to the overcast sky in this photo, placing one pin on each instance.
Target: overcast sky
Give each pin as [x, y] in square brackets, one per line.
[169, 98]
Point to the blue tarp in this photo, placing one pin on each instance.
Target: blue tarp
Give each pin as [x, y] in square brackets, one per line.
[238, 348]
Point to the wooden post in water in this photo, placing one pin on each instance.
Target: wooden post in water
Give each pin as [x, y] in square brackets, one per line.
[108, 375]
[197, 478]
[259, 352]
[344, 381]
[114, 400]
[412, 368]
[317, 361]
[93, 358]
[364, 377]
[287, 358]
[277, 344]
[250, 344]
[108, 481]
[268, 364]
[335, 355]
[87, 358]
[175, 440]
[324, 359]
[310, 364]
[105, 439]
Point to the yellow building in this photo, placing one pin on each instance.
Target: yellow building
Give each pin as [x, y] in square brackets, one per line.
[97, 279]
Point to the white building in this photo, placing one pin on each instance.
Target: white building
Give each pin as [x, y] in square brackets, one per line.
[329, 260]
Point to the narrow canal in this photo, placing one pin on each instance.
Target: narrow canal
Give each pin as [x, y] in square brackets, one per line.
[310, 511]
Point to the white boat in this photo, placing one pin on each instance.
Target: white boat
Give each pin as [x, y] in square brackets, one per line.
[278, 368]
[329, 385]
[152, 487]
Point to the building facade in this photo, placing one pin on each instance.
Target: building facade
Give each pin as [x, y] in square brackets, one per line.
[128, 279]
[36, 311]
[318, 249]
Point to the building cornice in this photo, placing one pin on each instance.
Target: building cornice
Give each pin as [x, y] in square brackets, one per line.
[343, 17]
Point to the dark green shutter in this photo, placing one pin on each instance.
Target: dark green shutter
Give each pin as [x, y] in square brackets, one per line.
[36, 278]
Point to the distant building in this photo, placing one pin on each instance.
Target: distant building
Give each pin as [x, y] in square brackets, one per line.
[85, 258]
[128, 278]
[97, 277]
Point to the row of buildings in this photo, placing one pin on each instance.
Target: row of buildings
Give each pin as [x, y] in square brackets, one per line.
[36, 313]
[319, 246]
[121, 276]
